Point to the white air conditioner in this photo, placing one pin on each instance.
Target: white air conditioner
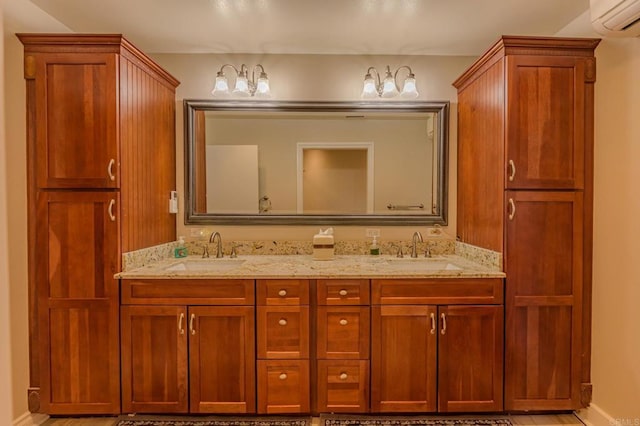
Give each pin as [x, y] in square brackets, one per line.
[616, 18]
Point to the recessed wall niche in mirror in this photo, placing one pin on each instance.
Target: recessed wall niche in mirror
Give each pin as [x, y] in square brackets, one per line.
[350, 163]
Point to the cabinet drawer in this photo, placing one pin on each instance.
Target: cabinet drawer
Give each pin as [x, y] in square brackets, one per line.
[343, 386]
[283, 332]
[343, 292]
[187, 291]
[283, 386]
[282, 292]
[437, 291]
[343, 332]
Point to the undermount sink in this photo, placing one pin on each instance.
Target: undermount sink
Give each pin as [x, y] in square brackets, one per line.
[206, 265]
[421, 264]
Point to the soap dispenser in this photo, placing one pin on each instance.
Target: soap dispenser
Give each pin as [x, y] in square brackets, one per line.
[374, 249]
[180, 250]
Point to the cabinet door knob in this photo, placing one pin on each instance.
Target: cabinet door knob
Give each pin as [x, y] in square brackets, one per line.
[342, 292]
[282, 321]
[512, 209]
[283, 376]
[512, 170]
[344, 322]
[191, 326]
[343, 376]
[180, 320]
[444, 324]
[433, 323]
[282, 293]
[112, 177]
[112, 216]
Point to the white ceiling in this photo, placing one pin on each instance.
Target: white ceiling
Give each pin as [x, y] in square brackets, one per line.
[412, 27]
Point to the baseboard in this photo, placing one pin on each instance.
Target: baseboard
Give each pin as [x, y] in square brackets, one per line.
[596, 416]
[30, 419]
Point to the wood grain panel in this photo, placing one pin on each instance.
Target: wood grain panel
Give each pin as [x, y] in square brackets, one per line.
[76, 112]
[481, 171]
[443, 291]
[343, 386]
[545, 136]
[283, 332]
[283, 386]
[343, 332]
[154, 359]
[187, 291]
[147, 140]
[403, 359]
[470, 358]
[222, 359]
[343, 292]
[81, 373]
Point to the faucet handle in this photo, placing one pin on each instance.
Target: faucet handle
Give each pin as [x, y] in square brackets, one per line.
[233, 253]
[205, 253]
[427, 252]
[400, 254]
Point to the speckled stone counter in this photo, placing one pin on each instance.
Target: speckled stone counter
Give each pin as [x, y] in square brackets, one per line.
[304, 266]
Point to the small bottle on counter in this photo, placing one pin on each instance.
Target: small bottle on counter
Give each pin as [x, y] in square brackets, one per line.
[181, 249]
[374, 249]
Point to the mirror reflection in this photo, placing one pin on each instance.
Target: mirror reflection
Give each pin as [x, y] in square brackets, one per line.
[325, 163]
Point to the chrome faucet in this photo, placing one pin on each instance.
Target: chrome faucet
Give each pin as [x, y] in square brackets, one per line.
[417, 236]
[212, 239]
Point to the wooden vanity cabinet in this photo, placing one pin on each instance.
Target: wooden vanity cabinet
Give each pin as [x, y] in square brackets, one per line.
[525, 189]
[198, 357]
[435, 349]
[342, 345]
[282, 322]
[100, 134]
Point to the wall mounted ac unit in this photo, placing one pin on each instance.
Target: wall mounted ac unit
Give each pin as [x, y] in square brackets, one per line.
[616, 18]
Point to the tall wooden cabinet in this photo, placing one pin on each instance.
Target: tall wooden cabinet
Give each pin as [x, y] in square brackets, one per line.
[101, 163]
[525, 172]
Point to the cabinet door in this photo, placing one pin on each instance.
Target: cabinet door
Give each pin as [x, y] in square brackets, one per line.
[470, 362]
[403, 358]
[76, 256]
[545, 122]
[283, 332]
[283, 386]
[76, 112]
[154, 359]
[544, 264]
[222, 359]
[343, 332]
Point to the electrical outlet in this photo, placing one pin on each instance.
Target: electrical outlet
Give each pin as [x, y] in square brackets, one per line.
[373, 232]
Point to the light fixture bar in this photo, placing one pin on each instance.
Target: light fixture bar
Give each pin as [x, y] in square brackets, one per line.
[388, 87]
[243, 87]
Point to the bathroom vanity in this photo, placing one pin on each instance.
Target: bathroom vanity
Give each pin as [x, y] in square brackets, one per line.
[287, 334]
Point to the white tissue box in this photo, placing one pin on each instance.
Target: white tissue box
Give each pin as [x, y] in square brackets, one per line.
[323, 247]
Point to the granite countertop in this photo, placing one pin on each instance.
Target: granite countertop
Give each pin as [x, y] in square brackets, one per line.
[304, 266]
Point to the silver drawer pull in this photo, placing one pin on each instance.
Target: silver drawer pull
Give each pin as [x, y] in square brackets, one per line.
[343, 376]
[344, 322]
[282, 321]
[191, 327]
[342, 292]
[282, 376]
[433, 323]
[512, 209]
[180, 320]
[282, 293]
[444, 324]
[112, 216]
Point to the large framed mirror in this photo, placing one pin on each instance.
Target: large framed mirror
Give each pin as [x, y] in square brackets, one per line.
[326, 163]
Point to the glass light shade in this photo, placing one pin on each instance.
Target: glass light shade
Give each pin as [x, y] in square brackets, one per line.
[221, 87]
[262, 87]
[389, 89]
[242, 87]
[369, 90]
[409, 89]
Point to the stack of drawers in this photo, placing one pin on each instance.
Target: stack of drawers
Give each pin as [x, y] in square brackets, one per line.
[343, 327]
[283, 345]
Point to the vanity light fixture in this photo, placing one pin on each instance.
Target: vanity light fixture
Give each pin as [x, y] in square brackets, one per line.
[244, 87]
[388, 87]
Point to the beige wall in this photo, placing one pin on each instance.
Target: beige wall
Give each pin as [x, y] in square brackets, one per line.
[6, 408]
[315, 77]
[616, 284]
